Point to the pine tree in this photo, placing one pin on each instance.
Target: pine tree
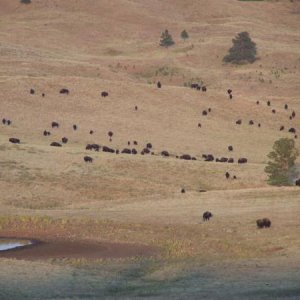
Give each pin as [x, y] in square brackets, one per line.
[184, 35]
[243, 49]
[166, 39]
[25, 1]
[282, 161]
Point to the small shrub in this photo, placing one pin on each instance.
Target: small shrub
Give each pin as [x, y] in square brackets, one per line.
[166, 39]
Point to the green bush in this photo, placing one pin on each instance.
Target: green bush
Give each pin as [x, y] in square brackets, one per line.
[166, 39]
[282, 162]
[243, 50]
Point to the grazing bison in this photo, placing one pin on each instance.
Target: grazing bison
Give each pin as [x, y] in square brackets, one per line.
[209, 157]
[292, 130]
[128, 143]
[14, 141]
[32, 91]
[182, 190]
[134, 151]
[45, 133]
[88, 159]
[281, 128]
[185, 157]
[274, 111]
[297, 182]
[227, 175]
[199, 125]
[293, 114]
[159, 84]
[230, 148]
[242, 160]
[263, 223]
[269, 103]
[107, 149]
[135, 143]
[267, 222]
[230, 160]
[74, 127]
[55, 144]
[229, 91]
[230, 96]
[286, 106]
[199, 88]
[4, 121]
[165, 153]
[94, 147]
[64, 140]
[104, 94]
[149, 146]
[146, 151]
[64, 91]
[238, 122]
[126, 151]
[117, 151]
[110, 134]
[251, 122]
[204, 89]
[91, 131]
[204, 113]
[54, 124]
[194, 85]
[260, 223]
[207, 215]
[222, 159]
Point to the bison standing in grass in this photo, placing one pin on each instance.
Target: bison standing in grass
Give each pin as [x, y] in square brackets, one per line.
[263, 223]
[207, 215]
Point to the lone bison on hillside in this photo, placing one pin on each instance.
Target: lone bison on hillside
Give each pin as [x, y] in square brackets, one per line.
[207, 215]
[159, 84]
[14, 140]
[88, 159]
[263, 223]
[104, 94]
[64, 91]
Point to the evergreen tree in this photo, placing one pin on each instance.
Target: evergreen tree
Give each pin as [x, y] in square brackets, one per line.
[184, 35]
[282, 161]
[243, 49]
[25, 1]
[166, 39]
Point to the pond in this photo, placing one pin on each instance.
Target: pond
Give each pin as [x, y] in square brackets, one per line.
[10, 243]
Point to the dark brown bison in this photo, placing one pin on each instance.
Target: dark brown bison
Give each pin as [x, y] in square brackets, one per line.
[54, 124]
[104, 94]
[295, 136]
[182, 190]
[222, 159]
[159, 84]
[230, 160]
[238, 122]
[204, 89]
[229, 91]
[207, 215]
[185, 157]
[260, 223]
[194, 85]
[3, 121]
[242, 160]
[88, 159]
[227, 175]
[263, 223]
[8, 122]
[32, 91]
[292, 130]
[293, 114]
[230, 96]
[146, 151]
[126, 151]
[281, 128]
[43, 95]
[136, 108]
[257, 102]
[230, 148]
[274, 111]
[297, 182]
[64, 91]
[149, 146]
[251, 122]
[286, 106]
[258, 125]
[91, 131]
[165, 153]
[135, 143]
[209, 157]
[110, 134]
[55, 144]
[199, 125]
[75, 127]
[204, 113]
[134, 151]
[107, 149]
[64, 140]
[234, 177]
[14, 140]
[269, 103]
[209, 110]
[267, 222]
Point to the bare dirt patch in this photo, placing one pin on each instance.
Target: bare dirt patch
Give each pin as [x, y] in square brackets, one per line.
[60, 249]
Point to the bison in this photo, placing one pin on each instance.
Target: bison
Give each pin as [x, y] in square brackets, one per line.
[126, 151]
[91, 131]
[204, 113]
[286, 106]
[238, 122]
[104, 94]
[88, 159]
[204, 89]
[209, 157]
[55, 144]
[14, 140]
[207, 215]
[149, 146]
[165, 153]
[229, 91]
[3, 121]
[227, 175]
[64, 91]
[107, 149]
[64, 140]
[242, 160]
[251, 122]
[32, 91]
[292, 130]
[182, 190]
[54, 124]
[265, 222]
[230, 148]
[185, 157]
[281, 128]
[269, 103]
[230, 160]
[75, 127]
[159, 84]
[297, 182]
